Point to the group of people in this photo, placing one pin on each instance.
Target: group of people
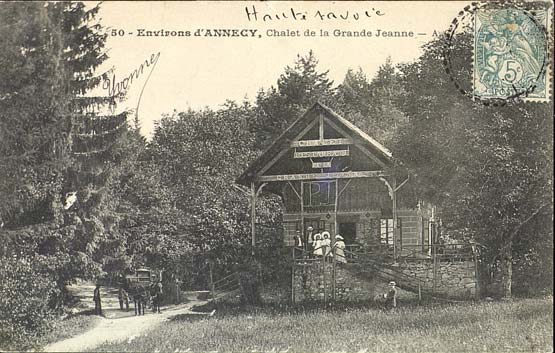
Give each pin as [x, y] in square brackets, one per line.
[320, 245]
[141, 296]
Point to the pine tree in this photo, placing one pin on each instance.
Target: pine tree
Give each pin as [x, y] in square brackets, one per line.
[58, 152]
[372, 105]
[298, 88]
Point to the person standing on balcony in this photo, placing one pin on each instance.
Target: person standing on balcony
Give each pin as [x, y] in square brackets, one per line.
[297, 240]
[318, 245]
[308, 241]
[326, 245]
[340, 250]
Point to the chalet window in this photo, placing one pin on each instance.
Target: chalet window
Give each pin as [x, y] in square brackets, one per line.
[386, 231]
[317, 225]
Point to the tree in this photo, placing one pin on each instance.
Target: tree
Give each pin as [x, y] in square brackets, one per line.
[372, 106]
[298, 88]
[485, 166]
[201, 154]
[56, 148]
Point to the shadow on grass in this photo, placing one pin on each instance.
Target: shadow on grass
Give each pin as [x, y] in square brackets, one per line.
[233, 308]
[188, 317]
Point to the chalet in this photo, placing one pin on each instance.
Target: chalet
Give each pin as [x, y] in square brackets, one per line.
[334, 177]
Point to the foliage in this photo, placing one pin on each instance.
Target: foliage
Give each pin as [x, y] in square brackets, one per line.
[24, 306]
[298, 88]
[372, 105]
[33, 110]
[201, 154]
[58, 155]
[487, 167]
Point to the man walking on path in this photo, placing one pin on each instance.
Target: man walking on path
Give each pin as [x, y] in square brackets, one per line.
[156, 296]
[139, 301]
[97, 302]
[123, 297]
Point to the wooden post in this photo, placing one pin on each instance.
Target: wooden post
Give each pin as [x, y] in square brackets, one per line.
[324, 277]
[478, 287]
[253, 217]
[333, 240]
[302, 216]
[212, 288]
[434, 251]
[394, 197]
[419, 293]
[293, 277]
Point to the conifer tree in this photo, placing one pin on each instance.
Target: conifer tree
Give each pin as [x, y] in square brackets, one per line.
[57, 149]
[297, 88]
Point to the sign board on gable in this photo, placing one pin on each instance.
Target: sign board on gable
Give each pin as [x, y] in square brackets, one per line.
[324, 142]
[316, 154]
[322, 176]
[321, 164]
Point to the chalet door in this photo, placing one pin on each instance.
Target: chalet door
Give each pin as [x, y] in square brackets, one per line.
[348, 231]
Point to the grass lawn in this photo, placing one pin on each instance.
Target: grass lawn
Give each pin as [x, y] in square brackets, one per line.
[523, 325]
[69, 327]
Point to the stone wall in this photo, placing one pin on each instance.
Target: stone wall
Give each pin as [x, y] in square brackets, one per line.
[351, 285]
[355, 283]
[455, 279]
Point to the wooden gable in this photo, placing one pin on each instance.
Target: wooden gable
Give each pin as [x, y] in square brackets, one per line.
[319, 145]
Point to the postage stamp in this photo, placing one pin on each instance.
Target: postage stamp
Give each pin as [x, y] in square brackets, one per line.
[511, 54]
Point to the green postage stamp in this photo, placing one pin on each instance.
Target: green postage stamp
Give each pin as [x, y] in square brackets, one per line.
[511, 54]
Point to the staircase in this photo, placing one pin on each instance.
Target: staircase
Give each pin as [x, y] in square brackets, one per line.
[445, 279]
[386, 271]
[226, 287]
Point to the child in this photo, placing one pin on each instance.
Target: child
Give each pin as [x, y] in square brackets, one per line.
[318, 245]
[391, 296]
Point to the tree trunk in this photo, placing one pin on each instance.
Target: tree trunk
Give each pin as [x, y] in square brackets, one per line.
[506, 270]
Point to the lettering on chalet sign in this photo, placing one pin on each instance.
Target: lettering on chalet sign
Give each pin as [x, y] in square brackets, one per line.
[321, 164]
[320, 176]
[316, 154]
[323, 142]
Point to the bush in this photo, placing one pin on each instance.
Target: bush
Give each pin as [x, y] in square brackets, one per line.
[24, 309]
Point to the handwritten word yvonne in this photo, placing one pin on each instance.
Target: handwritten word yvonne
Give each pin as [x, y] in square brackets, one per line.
[292, 14]
[115, 88]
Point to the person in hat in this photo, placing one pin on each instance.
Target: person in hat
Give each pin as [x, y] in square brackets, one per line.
[297, 239]
[318, 245]
[97, 300]
[340, 250]
[123, 297]
[391, 296]
[309, 239]
[139, 300]
[326, 245]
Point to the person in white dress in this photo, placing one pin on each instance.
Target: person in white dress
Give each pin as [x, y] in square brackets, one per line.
[318, 245]
[340, 249]
[326, 244]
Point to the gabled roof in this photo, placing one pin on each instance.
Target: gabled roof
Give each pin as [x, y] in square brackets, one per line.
[284, 140]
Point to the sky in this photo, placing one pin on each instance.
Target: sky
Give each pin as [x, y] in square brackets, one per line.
[201, 71]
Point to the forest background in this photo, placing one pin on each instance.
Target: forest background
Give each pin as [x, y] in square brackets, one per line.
[85, 196]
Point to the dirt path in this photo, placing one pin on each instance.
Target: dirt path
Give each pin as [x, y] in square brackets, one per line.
[112, 329]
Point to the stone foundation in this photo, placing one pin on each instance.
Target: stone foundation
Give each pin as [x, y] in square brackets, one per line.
[454, 279]
[313, 281]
